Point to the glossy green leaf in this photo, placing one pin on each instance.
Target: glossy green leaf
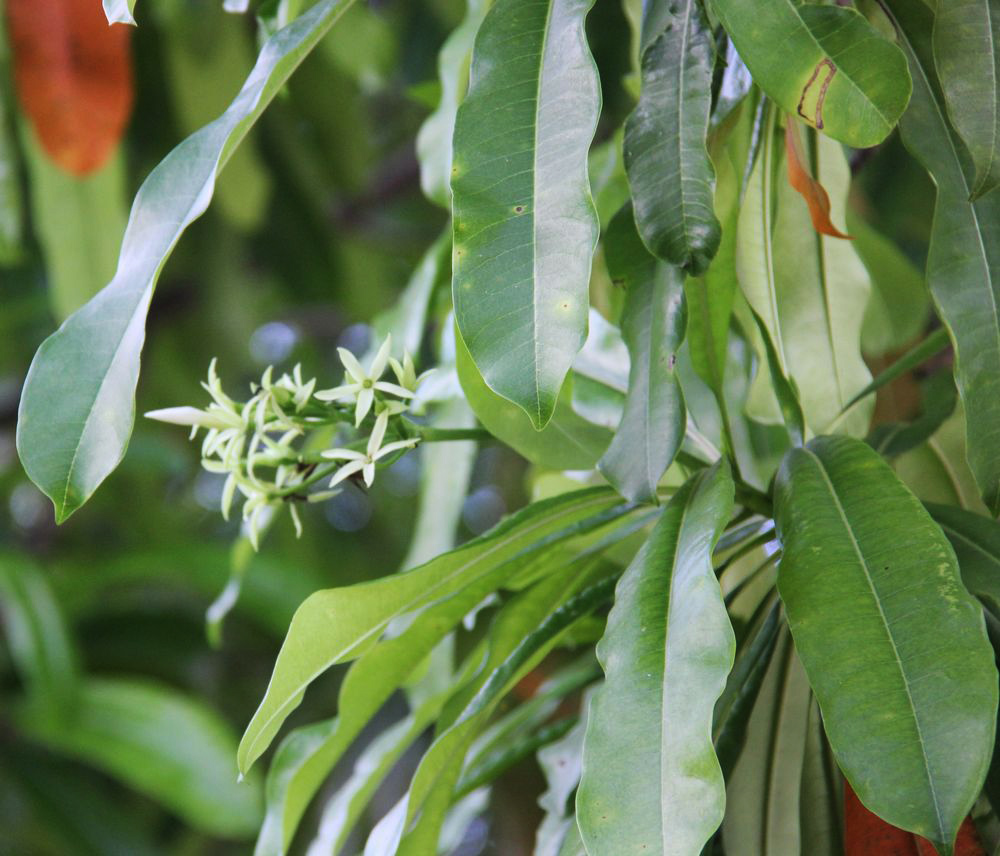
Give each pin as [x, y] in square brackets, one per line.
[651, 779]
[654, 419]
[967, 56]
[824, 64]
[119, 11]
[525, 225]
[809, 290]
[306, 756]
[962, 271]
[911, 724]
[78, 403]
[337, 625]
[567, 442]
[976, 541]
[434, 141]
[900, 304]
[162, 744]
[668, 167]
[523, 633]
[710, 296]
[37, 636]
[79, 223]
[763, 792]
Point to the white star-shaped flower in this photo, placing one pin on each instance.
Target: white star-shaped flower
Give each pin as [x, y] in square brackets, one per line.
[364, 462]
[363, 384]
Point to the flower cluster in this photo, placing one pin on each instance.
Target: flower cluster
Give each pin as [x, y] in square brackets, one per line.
[270, 447]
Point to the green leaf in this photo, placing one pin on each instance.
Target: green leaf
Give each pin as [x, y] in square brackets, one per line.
[162, 744]
[809, 290]
[567, 442]
[911, 724]
[306, 756]
[653, 422]
[521, 635]
[938, 400]
[434, 140]
[78, 403]
[525, 225]
[821, 793]
[39, 641]
[963, 274]
[710, 296]
[764, 790]
[119, 11]
[337, 625]
[651, 780]
[900, 303]
[735, 705]
[967, 56]
[976, 541]
[668, 166]
[79, 223]
[825, 64]
[937, 471]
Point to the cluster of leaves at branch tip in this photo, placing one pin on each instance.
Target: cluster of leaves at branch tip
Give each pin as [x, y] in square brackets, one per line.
[263, 445]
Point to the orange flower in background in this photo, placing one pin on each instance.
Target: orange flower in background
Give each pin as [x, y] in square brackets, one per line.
[73, 75]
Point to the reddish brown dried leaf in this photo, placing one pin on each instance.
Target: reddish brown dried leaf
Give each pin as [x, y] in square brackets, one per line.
[866, 834]
[811, 190]
[74, 78]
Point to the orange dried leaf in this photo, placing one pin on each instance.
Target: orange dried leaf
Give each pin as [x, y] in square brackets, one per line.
[73, 75]
[811, 190]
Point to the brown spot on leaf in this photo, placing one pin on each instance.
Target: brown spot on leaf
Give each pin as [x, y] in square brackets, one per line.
[827, 67]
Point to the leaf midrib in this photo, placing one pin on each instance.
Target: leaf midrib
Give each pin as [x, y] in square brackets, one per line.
[828, 484]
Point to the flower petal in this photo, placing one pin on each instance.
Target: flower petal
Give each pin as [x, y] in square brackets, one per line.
[351, 364]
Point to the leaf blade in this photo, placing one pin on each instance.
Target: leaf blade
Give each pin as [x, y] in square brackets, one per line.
[78, 404]
[664, 671]
[860, 628]
[525, 224]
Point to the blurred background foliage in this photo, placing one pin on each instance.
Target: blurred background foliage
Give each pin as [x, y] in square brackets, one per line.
[317, 224]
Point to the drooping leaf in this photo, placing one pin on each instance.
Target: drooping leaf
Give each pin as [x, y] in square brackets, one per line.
[434, 141]
[669, 170]
[120, 11]
[809, 290]
[525, 225]
[78, 403]
[79, 222]
[710, 296]
[651, 780]
[524, 632]
[567, 442]
[314, 642]
[967, 56]
[920, 353]
[37, 637]
[306, 756]
[763, 792]
[653, 421]
[814, 194]
[162, 744]
[821, 792]
[207, 56]
[962, 272]
[74, 78]
[938, 400]
[900, 304]
[825, 64]
[911, 725]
